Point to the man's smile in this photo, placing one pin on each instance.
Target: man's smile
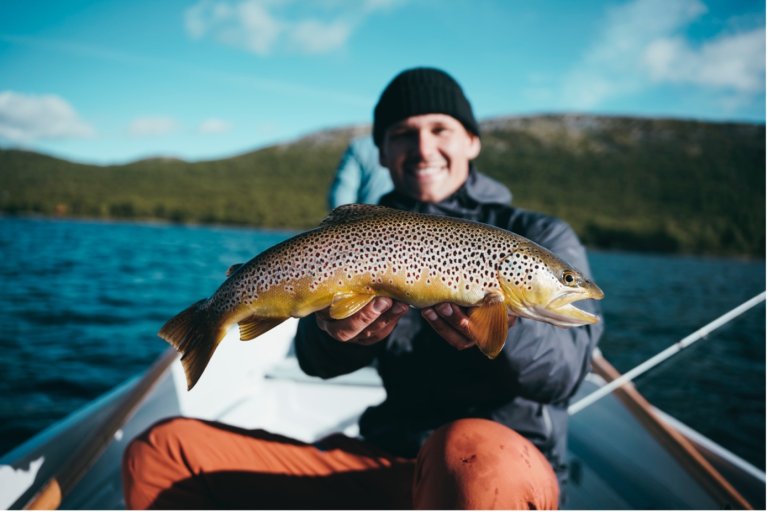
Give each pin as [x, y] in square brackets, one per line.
[426, 173]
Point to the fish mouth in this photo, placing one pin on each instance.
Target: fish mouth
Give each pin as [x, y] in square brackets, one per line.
[565, 316]
[560, 311]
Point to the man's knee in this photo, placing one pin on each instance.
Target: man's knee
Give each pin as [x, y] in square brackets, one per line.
[477, 463]
[474, 443]
[163, 441]
[170, 430]
[166, 434]
[157, 458]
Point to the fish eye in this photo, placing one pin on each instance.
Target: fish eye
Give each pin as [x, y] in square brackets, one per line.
[570, 279]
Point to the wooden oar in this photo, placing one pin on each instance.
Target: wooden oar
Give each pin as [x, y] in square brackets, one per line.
[676, 444]
[89, 450]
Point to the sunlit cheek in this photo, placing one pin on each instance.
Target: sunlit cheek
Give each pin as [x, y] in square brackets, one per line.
[541, 289]
[550, 290]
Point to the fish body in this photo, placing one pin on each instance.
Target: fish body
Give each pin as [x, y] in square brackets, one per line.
[360, 252]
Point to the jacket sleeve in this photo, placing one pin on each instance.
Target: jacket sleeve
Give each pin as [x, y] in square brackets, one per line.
[320, 355]
[546, 362]
[346, 182]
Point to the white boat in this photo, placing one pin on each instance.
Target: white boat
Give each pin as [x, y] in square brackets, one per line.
[624, 454]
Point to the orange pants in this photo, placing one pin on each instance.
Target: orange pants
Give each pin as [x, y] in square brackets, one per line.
[467, 464]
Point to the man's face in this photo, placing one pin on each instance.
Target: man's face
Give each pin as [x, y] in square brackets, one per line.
[428, 155]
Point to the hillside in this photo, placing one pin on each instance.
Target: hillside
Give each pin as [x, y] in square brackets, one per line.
[627, 183]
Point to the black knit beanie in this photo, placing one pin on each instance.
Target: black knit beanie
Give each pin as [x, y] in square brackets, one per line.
[420, 91]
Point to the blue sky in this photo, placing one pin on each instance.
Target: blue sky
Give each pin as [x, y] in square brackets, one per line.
[113, 81]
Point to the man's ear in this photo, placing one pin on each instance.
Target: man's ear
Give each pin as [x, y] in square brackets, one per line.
[382, 159]
[474, 147]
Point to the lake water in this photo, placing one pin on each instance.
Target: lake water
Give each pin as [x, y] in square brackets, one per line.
[81, 302]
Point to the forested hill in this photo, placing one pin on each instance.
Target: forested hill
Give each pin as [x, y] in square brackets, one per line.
[627, 183]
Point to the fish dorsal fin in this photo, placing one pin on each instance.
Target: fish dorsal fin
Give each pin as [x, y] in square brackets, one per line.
[488, 325]
[234, 268]
[350, 212]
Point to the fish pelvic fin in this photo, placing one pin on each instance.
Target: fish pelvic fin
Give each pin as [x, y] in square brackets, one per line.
[488, 325]
[345, 305]
[195, 333]
[254, 326]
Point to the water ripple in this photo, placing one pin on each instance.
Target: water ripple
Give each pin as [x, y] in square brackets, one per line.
[82, 301]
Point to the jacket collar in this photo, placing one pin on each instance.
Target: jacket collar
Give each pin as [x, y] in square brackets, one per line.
[477, 191]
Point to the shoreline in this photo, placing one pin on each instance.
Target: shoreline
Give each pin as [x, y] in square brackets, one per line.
[161, 222]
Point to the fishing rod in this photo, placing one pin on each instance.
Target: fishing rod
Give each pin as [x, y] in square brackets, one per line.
[664, 354]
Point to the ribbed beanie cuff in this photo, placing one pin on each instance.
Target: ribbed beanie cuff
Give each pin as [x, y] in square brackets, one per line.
[421, 91]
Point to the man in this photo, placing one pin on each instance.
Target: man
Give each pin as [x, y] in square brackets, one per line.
[456, 430]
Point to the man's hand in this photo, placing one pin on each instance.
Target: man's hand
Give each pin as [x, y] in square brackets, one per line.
[452, 324]
[370, 325]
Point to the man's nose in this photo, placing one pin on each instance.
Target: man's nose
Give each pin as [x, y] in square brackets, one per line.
[425, 143]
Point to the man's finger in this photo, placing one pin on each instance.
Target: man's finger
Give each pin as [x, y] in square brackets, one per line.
[382, 326]
[351, 328]
[446, 330]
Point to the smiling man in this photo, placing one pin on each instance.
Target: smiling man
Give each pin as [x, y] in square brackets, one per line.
[456, 430]
[428, 155]
[444, 404]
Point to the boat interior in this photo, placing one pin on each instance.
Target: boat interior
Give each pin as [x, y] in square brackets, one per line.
[624, 453]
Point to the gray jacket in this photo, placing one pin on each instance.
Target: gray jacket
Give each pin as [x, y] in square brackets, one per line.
[429, 383]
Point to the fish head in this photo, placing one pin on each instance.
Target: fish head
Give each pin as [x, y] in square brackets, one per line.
[538, 285]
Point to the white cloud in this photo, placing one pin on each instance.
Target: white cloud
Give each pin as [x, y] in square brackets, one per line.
[152, 126]
[214, 125]
[312, 36]
[26, 118]
[267, 26]
[731, 61]
[643, 44]
[247, 25]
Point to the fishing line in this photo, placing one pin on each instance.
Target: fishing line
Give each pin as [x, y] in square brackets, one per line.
[664, 354]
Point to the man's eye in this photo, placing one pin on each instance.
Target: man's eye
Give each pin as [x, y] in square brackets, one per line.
[445, 131]
[398, 135]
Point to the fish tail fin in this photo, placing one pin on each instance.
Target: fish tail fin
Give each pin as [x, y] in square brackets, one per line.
[195, 333]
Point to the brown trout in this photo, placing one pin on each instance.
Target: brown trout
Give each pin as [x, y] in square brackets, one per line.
[360, 252]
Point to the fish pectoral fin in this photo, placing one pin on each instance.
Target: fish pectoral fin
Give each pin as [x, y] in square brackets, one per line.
[234, 268]
[488, 325]
[345, 305]
[254, 326]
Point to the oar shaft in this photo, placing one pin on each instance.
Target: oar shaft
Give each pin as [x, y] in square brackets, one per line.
[665, 354]
[53, 491]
